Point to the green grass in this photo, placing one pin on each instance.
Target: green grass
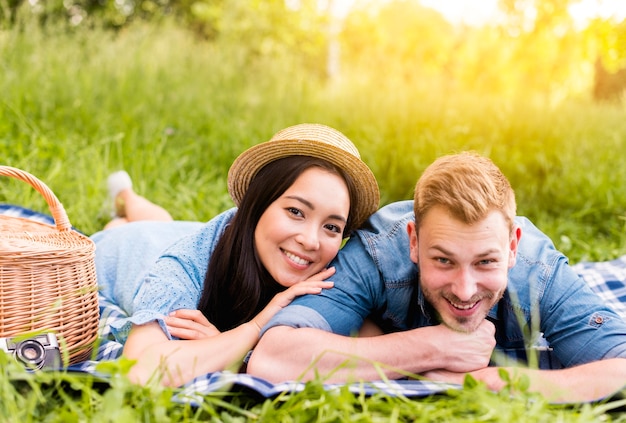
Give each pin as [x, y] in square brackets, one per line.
[58, 397]
[175, 112]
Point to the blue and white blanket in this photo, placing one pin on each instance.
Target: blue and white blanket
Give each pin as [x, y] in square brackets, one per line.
[608, 279]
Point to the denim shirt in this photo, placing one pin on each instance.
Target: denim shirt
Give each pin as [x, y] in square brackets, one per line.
[547, 308]
[151, 268]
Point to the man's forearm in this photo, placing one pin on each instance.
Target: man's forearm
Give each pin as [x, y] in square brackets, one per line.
[588, 382]
[285, 353]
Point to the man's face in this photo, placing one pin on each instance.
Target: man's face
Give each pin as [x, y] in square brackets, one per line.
[463, 268]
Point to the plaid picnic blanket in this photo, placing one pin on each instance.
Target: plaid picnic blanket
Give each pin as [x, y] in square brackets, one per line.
[608, 279]
[109, 349]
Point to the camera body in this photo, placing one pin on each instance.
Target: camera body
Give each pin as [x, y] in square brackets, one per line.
[35, 352]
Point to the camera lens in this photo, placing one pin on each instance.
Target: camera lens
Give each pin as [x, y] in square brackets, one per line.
[30, 352]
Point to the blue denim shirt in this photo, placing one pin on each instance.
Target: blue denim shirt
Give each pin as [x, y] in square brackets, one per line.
[547, 307]
[150, 268]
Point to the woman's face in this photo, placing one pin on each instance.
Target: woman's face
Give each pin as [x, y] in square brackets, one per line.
[301, 232]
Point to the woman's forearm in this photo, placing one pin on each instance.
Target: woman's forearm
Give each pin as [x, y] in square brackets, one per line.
[176, 362]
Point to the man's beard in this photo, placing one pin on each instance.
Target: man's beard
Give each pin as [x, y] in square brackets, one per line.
[461, 323]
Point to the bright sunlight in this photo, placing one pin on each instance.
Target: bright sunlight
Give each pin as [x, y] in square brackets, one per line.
[480, 12]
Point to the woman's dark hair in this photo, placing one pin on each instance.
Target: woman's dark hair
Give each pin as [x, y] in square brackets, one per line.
[237, 286]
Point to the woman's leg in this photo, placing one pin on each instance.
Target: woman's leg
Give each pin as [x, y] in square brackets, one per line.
[130, 206]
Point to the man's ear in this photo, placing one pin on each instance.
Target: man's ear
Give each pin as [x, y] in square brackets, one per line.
[516, 235]
[411, 229]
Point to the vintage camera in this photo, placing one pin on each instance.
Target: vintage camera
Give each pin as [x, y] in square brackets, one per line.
[35, 352]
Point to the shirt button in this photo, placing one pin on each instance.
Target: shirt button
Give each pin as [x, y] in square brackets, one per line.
[599, 319]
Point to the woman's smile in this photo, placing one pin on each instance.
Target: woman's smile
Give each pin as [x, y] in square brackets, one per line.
[296, 259]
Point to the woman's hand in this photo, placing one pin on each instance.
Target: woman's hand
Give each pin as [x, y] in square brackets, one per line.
[190, 324]
[203, 348]
[313, 285]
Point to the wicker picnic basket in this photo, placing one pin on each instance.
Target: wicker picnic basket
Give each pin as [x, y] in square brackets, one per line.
[48, 277]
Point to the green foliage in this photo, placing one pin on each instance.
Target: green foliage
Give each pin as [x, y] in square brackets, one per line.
[535, 49]
[72, 397]
[67, 397]
[385, 38]
[174, 111]
[77, 106]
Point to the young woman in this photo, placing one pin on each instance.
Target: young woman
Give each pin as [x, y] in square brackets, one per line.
[213, 286]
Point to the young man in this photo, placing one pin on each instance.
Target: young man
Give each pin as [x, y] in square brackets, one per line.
[455, 287]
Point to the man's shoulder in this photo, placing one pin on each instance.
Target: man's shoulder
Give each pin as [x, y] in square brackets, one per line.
[538, 265]
[385, 240]
[384, 234]
[388, 220]
[535, 247]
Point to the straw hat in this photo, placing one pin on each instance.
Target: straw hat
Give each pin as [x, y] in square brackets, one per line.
[313, 140]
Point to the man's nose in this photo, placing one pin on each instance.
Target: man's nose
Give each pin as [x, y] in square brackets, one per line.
[464, 286]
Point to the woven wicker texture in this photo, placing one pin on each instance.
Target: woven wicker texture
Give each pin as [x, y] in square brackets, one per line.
[47, 277]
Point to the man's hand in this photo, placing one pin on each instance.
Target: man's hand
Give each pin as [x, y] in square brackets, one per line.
[466, 352]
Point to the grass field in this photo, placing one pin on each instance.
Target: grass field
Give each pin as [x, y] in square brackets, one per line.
[174, 113]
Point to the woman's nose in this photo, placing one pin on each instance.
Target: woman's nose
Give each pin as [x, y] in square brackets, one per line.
[309, 239]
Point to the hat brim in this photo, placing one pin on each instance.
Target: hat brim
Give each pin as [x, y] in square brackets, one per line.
[246, 166]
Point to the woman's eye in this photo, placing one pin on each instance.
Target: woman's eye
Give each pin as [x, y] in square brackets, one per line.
[295, 211]
[334, 228]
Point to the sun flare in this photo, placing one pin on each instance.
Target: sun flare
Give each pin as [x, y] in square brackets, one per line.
[480, 12]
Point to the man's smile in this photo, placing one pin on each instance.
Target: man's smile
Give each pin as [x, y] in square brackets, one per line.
[463, 306]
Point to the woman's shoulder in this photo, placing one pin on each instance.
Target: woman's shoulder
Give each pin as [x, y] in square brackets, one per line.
[194, 240]
[158, 232]
[162, 232]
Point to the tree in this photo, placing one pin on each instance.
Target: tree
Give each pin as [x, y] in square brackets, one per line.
[400, 37]
[608, 46]
[562, 54]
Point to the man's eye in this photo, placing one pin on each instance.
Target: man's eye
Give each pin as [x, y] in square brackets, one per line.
[442, 260]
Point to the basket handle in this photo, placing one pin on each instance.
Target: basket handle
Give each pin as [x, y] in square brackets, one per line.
[56, 208]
